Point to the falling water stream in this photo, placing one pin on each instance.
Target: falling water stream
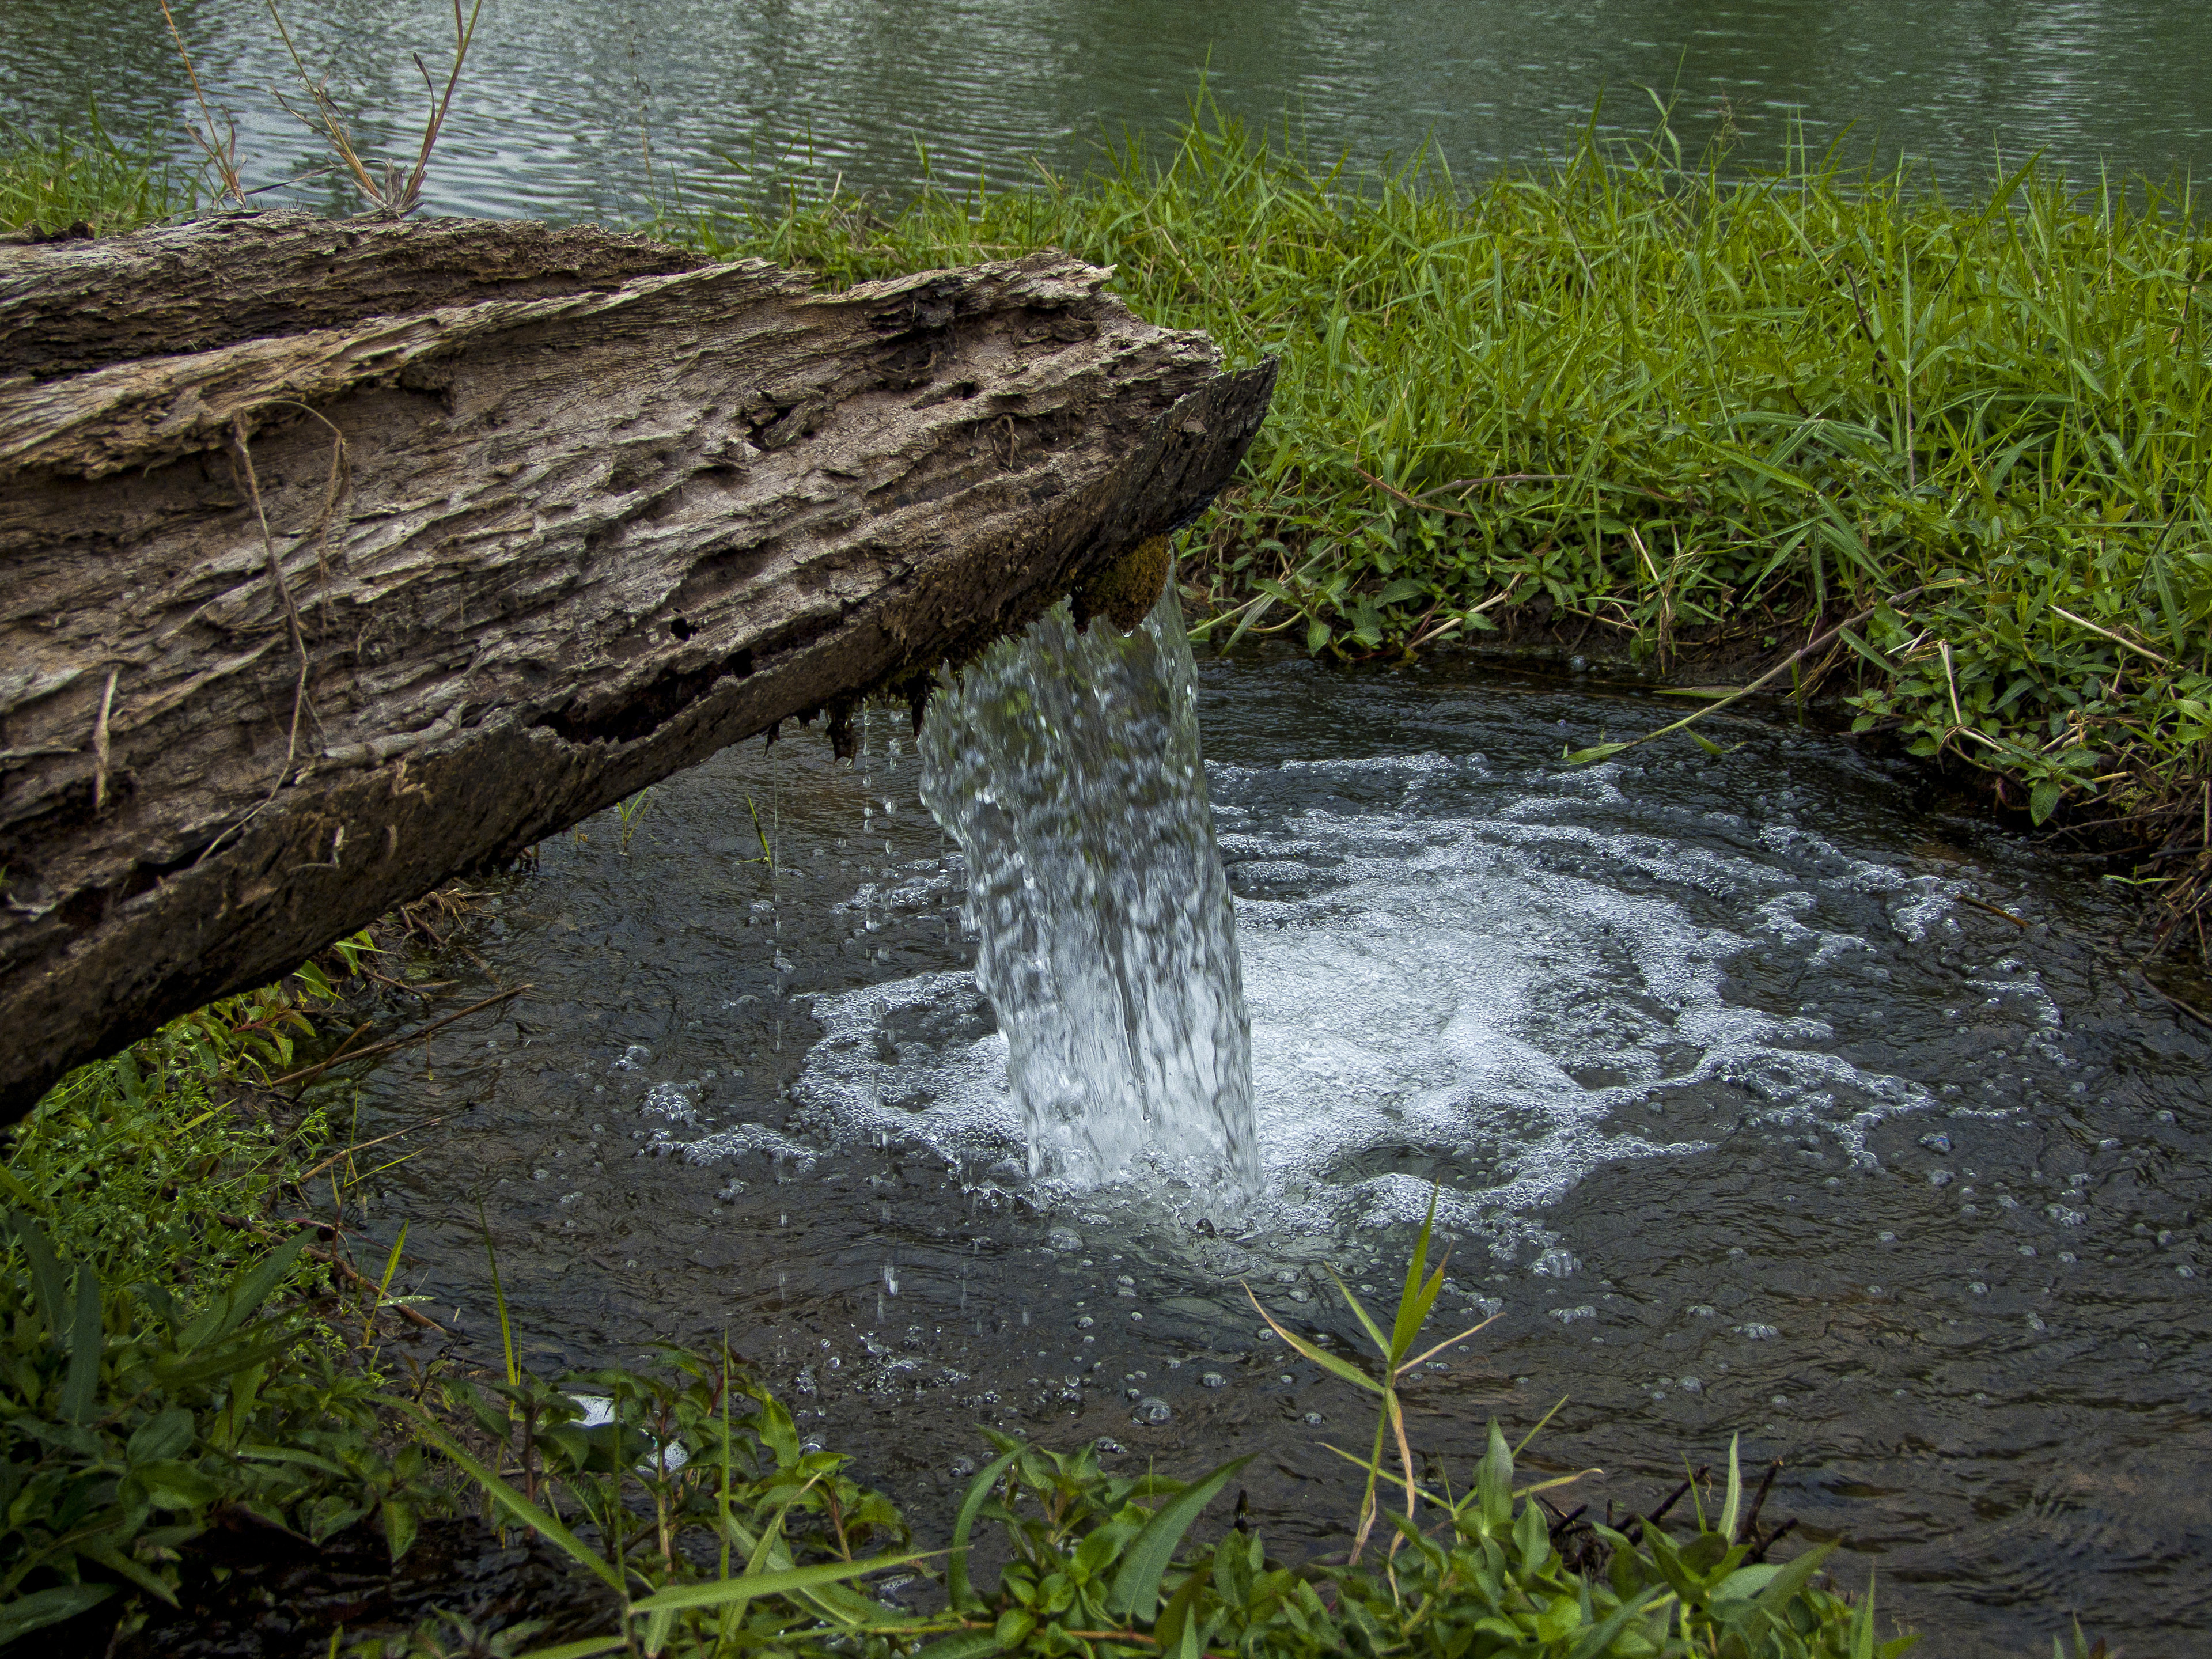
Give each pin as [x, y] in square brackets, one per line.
[1067, 765]
[1747, 1110]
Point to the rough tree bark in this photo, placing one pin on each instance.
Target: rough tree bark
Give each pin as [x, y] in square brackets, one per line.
[338, 559]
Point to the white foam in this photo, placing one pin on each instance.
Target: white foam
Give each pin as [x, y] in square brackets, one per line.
[1520, 993]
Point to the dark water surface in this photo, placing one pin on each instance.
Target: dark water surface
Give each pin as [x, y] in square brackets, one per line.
[566, 99]
[1744, 1117]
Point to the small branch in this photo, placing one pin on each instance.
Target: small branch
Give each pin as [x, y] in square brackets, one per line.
[353, 1275]
[348, 1152]
[316, 1069]
[99, 743]
[1750, 1527]
[1606, 750]
[1984, 904]
[2140, 650]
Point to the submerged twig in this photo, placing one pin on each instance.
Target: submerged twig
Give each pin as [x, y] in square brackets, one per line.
[397, 1042]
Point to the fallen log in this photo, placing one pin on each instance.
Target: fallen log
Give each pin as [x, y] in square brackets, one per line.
[341, 558]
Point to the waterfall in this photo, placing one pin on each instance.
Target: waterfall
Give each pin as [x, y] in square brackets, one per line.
[1067, 766]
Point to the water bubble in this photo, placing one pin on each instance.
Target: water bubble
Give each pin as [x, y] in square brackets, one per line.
[1314, 1418]
[1152, 1410]
[1937, 1143]
[1940, 1177]
[1213, 1380]
[1063, 1238]
[961, 1468]
[1085, 1321]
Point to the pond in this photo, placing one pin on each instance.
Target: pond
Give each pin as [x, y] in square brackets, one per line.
[1746, 1108]
[566, 102]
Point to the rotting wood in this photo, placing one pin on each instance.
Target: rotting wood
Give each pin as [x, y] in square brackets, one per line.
[423, 541]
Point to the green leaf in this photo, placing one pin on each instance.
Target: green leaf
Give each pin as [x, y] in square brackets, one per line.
[1791, 1579]
[1534, 1539]
[170, 1484]
[1745, 1584]
[1177, 1619]
[244, 1296]
[49, 1606]
[1600, 1638]
[968, 1644]
[1359, 1312]
[1014, 1628]
[957, 1589]
[124, 1564]
[1412, 1304]
[49, 1275]
[2043, 800]
[1706, 744]
[1596, 752]
[1732, 1506]
[512, 1501]
[1343, 1369]
[1317, 637]
[1862, 1625]
[1136, 1589]
[223, 1362]
[1493, 1481]
[165, 1434]
[399, 1527]
[746, 1586]
[586, 1649]
[85, 1340]
[261, 1454]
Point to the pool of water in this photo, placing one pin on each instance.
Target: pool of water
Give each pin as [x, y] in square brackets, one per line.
[1743, 1113]
[585, 107]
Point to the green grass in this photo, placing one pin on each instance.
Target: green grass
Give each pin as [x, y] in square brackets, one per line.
[52, 181]
[1101, 1566]
[161, 1359]
[1683, 415]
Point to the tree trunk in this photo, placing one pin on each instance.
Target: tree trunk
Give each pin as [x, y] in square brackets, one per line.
[422, 542]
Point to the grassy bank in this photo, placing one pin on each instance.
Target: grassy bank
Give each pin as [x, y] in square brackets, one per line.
[54, 181]
[1634, 407]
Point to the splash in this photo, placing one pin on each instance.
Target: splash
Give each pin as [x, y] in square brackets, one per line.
[1067, 766]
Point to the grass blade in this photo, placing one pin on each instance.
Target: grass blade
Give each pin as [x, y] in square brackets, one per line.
[1136, 1589]
[746, 1586]
[1340, 1369]
[512, 1501]
[957, 1589]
